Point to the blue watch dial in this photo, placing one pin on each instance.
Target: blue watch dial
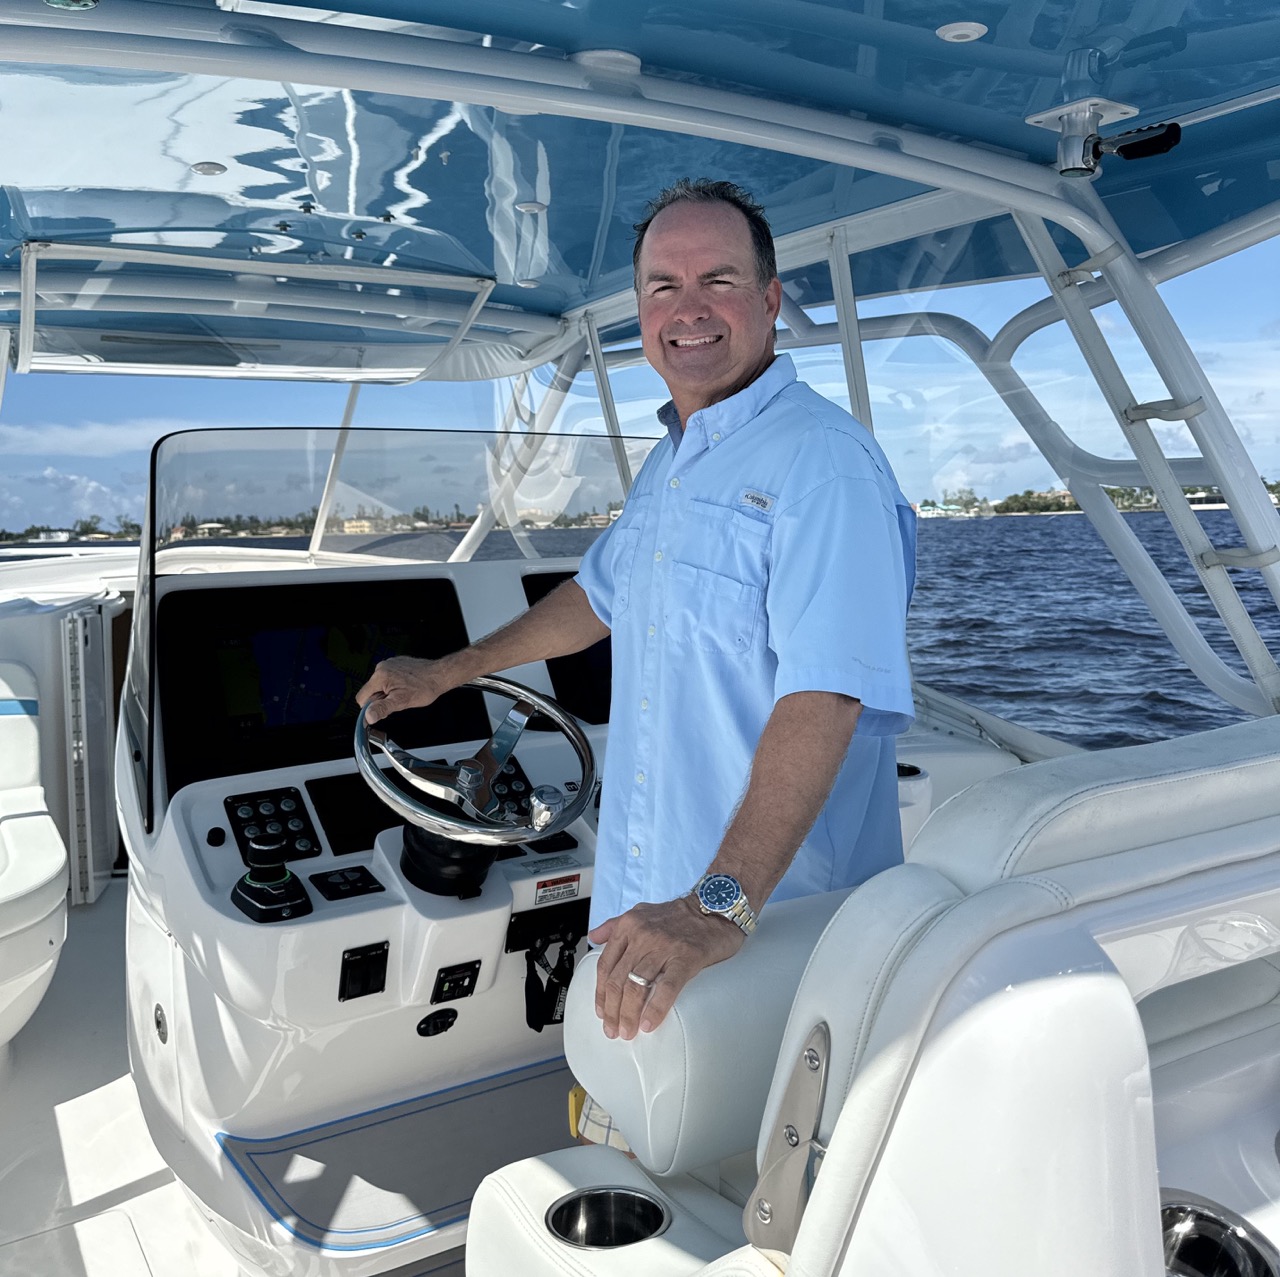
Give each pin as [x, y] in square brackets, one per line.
[719, 893]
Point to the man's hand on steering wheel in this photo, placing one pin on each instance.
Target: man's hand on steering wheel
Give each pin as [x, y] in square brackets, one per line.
[406, 682]
[650, 953]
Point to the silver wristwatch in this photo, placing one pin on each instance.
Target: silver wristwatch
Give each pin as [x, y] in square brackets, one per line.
[722, 894]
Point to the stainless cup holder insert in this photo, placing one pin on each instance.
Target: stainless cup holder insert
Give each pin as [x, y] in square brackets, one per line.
[604, 1218]
[1204, 1239]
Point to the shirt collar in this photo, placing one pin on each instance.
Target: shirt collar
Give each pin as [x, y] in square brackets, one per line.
[729, 414]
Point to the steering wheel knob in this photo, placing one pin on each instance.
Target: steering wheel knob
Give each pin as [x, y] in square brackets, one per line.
[545, 804]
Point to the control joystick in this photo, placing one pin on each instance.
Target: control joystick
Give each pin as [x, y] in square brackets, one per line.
[268, 891]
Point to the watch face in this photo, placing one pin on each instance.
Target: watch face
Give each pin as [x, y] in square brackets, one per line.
[719, 893]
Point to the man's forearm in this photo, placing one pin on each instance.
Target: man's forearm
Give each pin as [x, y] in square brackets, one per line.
[556, 625]
[800, 753]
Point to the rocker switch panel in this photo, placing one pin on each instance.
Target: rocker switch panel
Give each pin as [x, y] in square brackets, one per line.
[456, 982]
[364, 971]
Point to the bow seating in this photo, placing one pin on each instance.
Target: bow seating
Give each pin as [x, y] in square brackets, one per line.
[948, 1071]
[33, 859]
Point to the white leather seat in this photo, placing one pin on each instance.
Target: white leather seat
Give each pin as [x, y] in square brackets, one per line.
[33, 859]
[987, 1103]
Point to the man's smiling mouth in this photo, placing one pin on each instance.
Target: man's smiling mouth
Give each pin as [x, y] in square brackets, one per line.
[687, 343]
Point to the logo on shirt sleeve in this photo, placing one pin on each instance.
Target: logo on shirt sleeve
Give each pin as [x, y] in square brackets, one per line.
[756, 500]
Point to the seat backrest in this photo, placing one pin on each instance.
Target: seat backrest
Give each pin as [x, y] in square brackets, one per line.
[1113, 820]
[1008, 853]
[19, 727]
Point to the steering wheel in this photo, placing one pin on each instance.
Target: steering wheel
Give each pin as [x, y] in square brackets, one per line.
[469, 783]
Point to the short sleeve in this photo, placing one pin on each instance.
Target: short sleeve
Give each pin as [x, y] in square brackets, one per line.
[842, 569]
[595, 575]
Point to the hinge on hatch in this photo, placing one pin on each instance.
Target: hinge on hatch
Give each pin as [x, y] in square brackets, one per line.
[794, 1155]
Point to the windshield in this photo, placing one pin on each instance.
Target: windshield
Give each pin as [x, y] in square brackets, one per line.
[409, 495]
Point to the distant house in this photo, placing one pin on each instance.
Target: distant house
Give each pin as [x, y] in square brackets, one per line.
[210, 529]
[361, 527]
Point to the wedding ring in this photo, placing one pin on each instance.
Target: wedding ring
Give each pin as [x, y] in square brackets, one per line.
[638, 979]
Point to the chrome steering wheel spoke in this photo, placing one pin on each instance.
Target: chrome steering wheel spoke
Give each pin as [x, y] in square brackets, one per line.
[468, 784]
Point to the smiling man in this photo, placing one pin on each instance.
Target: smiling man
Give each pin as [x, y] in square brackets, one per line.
[756, 587]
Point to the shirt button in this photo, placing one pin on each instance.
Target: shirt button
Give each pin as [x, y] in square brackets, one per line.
[657, 558]
[716, 437]
[644, 702]
[639, 778]
[675, 483]
[653, 629]
[635, 851]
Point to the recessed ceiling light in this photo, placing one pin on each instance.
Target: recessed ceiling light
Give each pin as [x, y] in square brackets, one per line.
[961, 32]
[527, 283]
[531, 206]
[72, 4]
[206, 168]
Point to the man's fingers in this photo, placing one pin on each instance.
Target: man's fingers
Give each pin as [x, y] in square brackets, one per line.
[662, 997]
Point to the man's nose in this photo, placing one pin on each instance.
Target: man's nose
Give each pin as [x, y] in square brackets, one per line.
[693, 304]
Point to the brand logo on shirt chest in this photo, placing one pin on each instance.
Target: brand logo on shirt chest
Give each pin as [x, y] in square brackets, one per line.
[756, 500]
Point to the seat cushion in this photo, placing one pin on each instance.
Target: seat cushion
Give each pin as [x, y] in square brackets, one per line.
[690, 1093]
[33, 859]
[19, 727]
[1087, 807]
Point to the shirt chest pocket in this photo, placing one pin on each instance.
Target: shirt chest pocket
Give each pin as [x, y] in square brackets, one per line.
[716, 581]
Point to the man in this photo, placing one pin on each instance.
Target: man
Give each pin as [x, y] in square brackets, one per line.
[755, 587]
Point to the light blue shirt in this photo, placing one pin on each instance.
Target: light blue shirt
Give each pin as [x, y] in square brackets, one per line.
[771, 552]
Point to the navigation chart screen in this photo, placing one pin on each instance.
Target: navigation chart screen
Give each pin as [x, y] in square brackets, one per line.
[266, 676]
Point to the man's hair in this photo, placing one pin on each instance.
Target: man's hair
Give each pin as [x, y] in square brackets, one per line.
[703, 190]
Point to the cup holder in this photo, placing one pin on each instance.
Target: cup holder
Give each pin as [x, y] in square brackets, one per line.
[603, 1218]
[1203, 1239]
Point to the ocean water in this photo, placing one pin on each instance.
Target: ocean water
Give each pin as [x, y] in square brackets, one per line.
[1032, 619]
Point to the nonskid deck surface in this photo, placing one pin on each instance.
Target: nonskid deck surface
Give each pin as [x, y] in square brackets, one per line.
[83, 1192]
[379, 1178]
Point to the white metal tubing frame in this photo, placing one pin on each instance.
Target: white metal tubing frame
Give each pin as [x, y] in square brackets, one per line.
[605, 393]
[6, 349]
[1084, 475]
[1211, 428]
[1164, 264]
[331, 479]
[855, 371]
[1141, 439]
[88, 291]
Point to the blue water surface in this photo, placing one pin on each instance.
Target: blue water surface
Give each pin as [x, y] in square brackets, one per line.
[1032, 619]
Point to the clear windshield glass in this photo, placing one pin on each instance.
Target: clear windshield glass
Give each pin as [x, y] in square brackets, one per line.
[413, 495]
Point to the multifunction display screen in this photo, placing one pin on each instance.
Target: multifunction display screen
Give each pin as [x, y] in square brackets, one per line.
[252, 678]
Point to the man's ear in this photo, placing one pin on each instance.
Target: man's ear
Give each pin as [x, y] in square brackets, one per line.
[773, 298]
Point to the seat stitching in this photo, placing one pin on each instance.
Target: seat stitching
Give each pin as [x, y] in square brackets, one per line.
[871, 1006]
[1065, 898]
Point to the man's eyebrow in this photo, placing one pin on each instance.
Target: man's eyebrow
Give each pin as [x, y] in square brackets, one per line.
[663, 277]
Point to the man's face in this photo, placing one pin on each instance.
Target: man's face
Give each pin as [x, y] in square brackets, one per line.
[706, 323]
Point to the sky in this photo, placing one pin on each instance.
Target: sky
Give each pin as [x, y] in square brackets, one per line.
[74, 446]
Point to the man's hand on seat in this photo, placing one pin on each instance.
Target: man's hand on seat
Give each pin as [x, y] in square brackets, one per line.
[665, 944]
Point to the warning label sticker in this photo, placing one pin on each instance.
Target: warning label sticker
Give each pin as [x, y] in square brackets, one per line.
[550, 889]
[537, 867]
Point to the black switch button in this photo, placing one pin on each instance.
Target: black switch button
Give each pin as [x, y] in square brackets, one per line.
[437, 1022]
